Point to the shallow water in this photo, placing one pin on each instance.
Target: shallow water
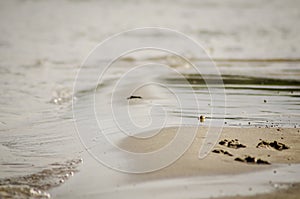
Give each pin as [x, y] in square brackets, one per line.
[42, 46]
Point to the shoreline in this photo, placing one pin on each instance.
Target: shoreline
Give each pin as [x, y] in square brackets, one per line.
[216, 165]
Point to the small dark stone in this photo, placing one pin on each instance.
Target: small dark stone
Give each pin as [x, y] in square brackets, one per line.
[202, 118]
[134, 97]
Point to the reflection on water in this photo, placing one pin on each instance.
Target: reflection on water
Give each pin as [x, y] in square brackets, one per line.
[251, 101]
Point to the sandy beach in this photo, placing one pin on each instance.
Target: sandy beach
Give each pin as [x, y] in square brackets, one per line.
[93, 94]
[218, 163]
[215, 172]
[220, 174]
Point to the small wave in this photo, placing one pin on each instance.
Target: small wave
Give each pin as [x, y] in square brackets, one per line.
[61, 96]
[36, 185]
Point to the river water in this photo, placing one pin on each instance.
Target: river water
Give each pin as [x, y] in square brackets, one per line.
[43, 44]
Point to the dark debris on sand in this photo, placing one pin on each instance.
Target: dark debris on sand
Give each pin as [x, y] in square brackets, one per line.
[220, 151]
[232, 143]
[253, 160]
[275, 145]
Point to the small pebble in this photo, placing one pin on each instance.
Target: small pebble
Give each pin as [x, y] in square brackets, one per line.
[202, 118]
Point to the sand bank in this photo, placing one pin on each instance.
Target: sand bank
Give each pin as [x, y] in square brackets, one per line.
[217, 175]
[219, 163]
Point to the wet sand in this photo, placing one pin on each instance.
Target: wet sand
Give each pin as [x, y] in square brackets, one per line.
[217, 175]
[293, 192]
[218, 163]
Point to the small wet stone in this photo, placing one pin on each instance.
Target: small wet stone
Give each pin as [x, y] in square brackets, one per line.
[202, 118]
